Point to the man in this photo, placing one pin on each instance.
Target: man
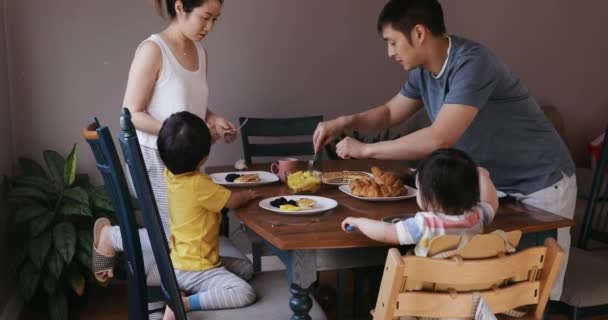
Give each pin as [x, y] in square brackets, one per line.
[476, 104]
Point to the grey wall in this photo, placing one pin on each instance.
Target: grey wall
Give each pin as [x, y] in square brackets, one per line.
[284, 58]
[6, 156]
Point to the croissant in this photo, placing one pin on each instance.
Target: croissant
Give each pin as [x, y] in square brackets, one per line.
[365, 188]
[386, 178]
[371, 189]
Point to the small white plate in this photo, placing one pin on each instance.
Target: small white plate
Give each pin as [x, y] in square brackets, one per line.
[344, 183]
[411, 193]
[322, 204]
[265, 178]
[500, 194]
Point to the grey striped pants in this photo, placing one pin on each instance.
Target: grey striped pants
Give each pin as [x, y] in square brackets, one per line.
[216, 288]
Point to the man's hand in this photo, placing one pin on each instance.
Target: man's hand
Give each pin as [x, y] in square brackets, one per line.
[326, 132]
[350, 148]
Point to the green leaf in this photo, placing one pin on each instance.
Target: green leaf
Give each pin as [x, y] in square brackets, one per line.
[76, 281]
[27, 194]
[55, 163]
[69, 170]
[77, 194]
[64, 237]
[85, 240]
[24, 214]
[18, 259]
[55, 264]
[74, 209]
[49, 283]
[29, 277]
[41, 223]
[39, 183]
[30, 167]
[100, 199]
[58, 306]
[82, 179]
[84, 258]
[39, 249]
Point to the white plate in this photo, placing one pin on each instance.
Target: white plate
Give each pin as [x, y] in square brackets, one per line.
[323, 204]
[411, 193]
[500, 194]
[344, 183]
[265, 177]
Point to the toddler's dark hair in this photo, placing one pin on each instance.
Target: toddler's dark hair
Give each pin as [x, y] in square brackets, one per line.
[183, 142]
[448, 179]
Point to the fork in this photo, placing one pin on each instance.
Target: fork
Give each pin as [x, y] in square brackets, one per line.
[237, 129]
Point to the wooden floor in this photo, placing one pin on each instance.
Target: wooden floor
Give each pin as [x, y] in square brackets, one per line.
[111, 303]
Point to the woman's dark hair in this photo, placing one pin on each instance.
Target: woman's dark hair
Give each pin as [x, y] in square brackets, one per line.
[183, 142]
[404, 15]
[189, 5]
[448, 179]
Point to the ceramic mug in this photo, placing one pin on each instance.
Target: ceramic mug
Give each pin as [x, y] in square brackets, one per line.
[284, 167]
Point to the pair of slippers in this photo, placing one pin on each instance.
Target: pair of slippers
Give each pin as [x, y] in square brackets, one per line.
[101, 264]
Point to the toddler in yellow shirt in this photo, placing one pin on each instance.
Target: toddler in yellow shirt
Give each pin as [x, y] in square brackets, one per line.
[195, 203]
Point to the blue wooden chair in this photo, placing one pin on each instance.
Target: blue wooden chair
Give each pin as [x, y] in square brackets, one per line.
[108, 164]
[151, 217]
[586, 285]
[271, 287]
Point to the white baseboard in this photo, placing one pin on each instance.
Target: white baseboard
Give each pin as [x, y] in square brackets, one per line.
[12, 309]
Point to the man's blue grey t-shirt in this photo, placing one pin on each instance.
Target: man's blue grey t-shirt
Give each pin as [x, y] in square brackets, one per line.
[510, 136]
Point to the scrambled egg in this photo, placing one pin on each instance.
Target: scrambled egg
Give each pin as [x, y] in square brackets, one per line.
[289, 207]
[304, 181]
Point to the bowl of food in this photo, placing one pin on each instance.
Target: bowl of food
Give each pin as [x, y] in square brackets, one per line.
[304, 181]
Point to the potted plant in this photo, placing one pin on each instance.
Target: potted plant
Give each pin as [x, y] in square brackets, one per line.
[51, 217]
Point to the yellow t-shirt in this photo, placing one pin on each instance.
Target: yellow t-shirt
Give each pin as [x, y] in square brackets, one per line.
[195, 203]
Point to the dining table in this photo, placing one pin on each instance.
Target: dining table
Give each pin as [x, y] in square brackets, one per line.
[307, 244]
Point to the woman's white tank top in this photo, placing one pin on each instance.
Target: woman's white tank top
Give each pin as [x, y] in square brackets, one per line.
[177, 89]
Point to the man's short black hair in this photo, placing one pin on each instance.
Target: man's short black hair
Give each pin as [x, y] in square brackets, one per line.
[448, 179]
[403, 15]
[183, 142]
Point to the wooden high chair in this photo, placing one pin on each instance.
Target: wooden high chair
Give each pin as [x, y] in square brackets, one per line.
[429, 287]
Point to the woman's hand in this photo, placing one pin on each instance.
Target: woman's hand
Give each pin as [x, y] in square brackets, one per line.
[221, 128]
[227, 130]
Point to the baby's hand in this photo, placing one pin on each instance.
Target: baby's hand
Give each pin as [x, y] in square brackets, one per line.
[483, 172]
[349, 224]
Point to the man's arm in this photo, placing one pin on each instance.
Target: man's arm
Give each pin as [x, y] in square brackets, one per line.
[392, 113]
[450, 124]
[395, 111]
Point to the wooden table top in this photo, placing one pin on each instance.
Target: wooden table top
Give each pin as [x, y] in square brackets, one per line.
[323, 231]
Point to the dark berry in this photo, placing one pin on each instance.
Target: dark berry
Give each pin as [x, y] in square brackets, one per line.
[232, 176]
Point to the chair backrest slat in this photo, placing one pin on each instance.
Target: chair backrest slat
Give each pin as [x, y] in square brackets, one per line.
[107, 161]
[595, 220]
[151, 216]
[278, 127]
[452, 272]
[460, 305]
[428, 287]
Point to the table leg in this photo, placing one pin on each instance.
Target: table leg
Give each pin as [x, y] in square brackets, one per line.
[300, 302]
[302, 274]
